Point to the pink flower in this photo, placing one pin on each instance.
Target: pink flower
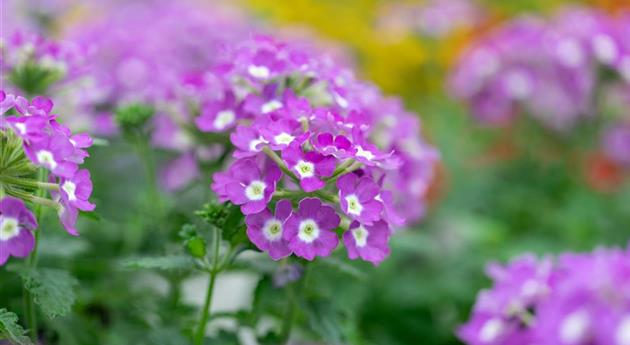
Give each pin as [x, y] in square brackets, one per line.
[309, 231]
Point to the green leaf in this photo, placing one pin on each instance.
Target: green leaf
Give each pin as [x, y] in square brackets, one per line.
[52, 289]
[222, 338]
[324, 321]
[343, 267]
[167, 263]
[11, 330]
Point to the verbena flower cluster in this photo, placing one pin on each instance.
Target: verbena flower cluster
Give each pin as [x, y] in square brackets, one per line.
[31, 138]
[128, 66]
[550, 69]
[305, 130]
[578, 299]
[32, 63]
[434, 19]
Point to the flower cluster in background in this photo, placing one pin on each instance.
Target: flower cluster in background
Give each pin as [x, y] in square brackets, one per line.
[576, 299]
[32, 139]
[305, 128]
[555, 70]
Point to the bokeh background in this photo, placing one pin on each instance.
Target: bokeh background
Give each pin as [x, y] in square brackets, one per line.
[499, 191]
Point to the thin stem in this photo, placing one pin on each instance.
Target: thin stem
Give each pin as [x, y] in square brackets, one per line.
[28, 183]
[354, 166]
[37, 200]
[205, 313]
[274, 157]
[31, 314]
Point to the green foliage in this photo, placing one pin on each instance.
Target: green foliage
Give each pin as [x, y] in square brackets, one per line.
[226, 217]
[34, 79]
[134, 116]
[11, 330]
[52, 289]
[166, 263]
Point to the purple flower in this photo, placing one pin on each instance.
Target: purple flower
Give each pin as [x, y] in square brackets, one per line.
[68, 216]
[217, 116]
[180, 172]
[310, 167]
[616, 144]
[29, 128]
[76, 191]
[309, 231]
[39, 106]
[582, 299]
[369, 242]
[338, 146]
[250, 187]
[7, 101]
[52, 153]
[281, 133]
[358, 198]
[248, 141]
[266, 230]
[16, 224]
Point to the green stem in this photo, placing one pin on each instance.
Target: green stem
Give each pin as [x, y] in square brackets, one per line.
[28, 183]
[205, 313]
[290, 312]
[31, 314]
[274, 157]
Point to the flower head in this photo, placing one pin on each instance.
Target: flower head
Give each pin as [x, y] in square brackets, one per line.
[309, 230]
[16, 226]
[266, 230]
[369, 242]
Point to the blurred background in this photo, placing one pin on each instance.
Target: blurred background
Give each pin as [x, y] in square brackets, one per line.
[501, 190]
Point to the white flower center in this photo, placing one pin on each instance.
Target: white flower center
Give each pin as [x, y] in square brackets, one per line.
[224, 118]
[354, 205]
[341, 101]
[364, 153]
[622, 335]
[47, 159]
[360, 235]
[261, 72]
[491, 330]
[272, 230]
[283, 138]
[574, 328]
[605, 48]
[305, 169]
[518, 85]
[256, 190]
[570, 52]
[270, 106]
[8, 228]
[70, 188]
[308, 231]
[253, 145]
[21, 127]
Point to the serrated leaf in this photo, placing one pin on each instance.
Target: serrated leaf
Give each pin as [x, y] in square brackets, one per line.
[168, 263]
[52, 289]
[11, 330]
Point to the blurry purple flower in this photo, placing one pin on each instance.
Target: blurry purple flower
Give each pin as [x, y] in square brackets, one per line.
[180, 172]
